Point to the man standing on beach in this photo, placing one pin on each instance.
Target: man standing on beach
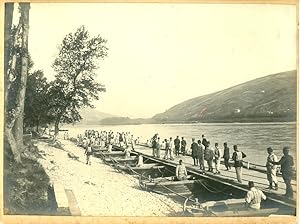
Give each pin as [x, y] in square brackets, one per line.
[237, 157]
[177, 145]
[88, 152]
[287, 163]
[271, 169]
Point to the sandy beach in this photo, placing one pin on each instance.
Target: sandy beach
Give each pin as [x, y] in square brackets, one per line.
[99, 189]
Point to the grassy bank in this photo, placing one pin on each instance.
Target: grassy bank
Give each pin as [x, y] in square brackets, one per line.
[26, 185]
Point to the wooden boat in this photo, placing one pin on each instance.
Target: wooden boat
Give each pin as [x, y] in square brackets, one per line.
[145, 169]
[170, 185]
[114, 154]
[129, 160]
[246, 164]
[226, 208]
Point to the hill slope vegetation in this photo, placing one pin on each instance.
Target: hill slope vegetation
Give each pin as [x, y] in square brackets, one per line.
[270, 98]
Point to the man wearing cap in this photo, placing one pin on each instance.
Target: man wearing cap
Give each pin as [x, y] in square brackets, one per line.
[254, 196]
[272, 169]
[287, 163]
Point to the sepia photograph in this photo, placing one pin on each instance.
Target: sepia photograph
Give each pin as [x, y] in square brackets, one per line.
[150, 110]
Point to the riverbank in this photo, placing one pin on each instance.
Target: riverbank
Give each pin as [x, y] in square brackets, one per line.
[25, 185]
[99, 189]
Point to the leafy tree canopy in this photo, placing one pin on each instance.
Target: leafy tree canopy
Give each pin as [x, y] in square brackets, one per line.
[75, 86]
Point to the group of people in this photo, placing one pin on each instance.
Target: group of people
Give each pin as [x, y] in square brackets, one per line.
[201, 152]
[92, 139]
[104, 138]
[253, 197]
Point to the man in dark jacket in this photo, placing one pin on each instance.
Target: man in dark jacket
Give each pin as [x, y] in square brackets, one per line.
[287, 163]
[204, 141]
[177, 145]
[226, 156]
[183, 146]
[194, 147]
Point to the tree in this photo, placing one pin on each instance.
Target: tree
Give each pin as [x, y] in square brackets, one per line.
[16, 70]
[37, 101]
[75, 86]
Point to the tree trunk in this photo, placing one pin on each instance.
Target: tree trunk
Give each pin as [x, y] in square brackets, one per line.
[56, 128]
[37, 126]
[13, 146]
[9, 10]
[18, 127]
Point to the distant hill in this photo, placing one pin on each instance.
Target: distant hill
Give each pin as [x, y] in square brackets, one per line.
[93, 116]
[270, 98]
[125, 121]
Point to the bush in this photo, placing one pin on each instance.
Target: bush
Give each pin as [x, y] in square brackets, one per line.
[25, 187]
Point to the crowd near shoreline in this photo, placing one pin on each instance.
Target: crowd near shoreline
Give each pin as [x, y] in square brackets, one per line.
[201, 151]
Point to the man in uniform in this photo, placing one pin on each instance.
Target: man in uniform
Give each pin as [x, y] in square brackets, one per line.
[271, 169]
[254, 196]
[177, 145]
[181, 172]
[194, 147]
[287, 163]
[237, 157]
[226, 156]
[183, 145]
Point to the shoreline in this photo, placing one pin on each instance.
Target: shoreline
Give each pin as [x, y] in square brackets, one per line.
[99, 189]
[190, 123]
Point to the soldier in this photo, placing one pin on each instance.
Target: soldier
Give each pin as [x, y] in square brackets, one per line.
[287, 163]
[194, 147]
[272, 169]
[181, 172]
[226, 156]
[177, 145]
[254, 196]
[183, 145]
[209, 156]
[237, 157]
[217, 155]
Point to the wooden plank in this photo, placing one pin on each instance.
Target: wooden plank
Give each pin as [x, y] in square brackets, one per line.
[61, 199]
[229, 178]
[73, 204]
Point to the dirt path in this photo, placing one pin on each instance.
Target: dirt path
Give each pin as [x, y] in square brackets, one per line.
[99, 189]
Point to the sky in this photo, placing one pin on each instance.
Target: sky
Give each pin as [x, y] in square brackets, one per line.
[163, 54]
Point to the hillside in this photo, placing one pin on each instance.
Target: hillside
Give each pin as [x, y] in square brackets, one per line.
[125, 121]
[270, 98]
[93, 116]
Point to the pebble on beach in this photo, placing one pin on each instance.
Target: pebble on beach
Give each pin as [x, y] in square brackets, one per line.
[99, 189]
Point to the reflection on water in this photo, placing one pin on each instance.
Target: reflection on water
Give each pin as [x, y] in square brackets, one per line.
[253, 139]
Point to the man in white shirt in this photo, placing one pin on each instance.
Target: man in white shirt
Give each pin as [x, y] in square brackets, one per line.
[272, 169]
[254, 196]
[181, 172]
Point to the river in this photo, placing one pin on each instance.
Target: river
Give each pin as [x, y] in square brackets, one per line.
[251, 138]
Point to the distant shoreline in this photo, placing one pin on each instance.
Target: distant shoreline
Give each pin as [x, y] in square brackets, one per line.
[182, 123]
